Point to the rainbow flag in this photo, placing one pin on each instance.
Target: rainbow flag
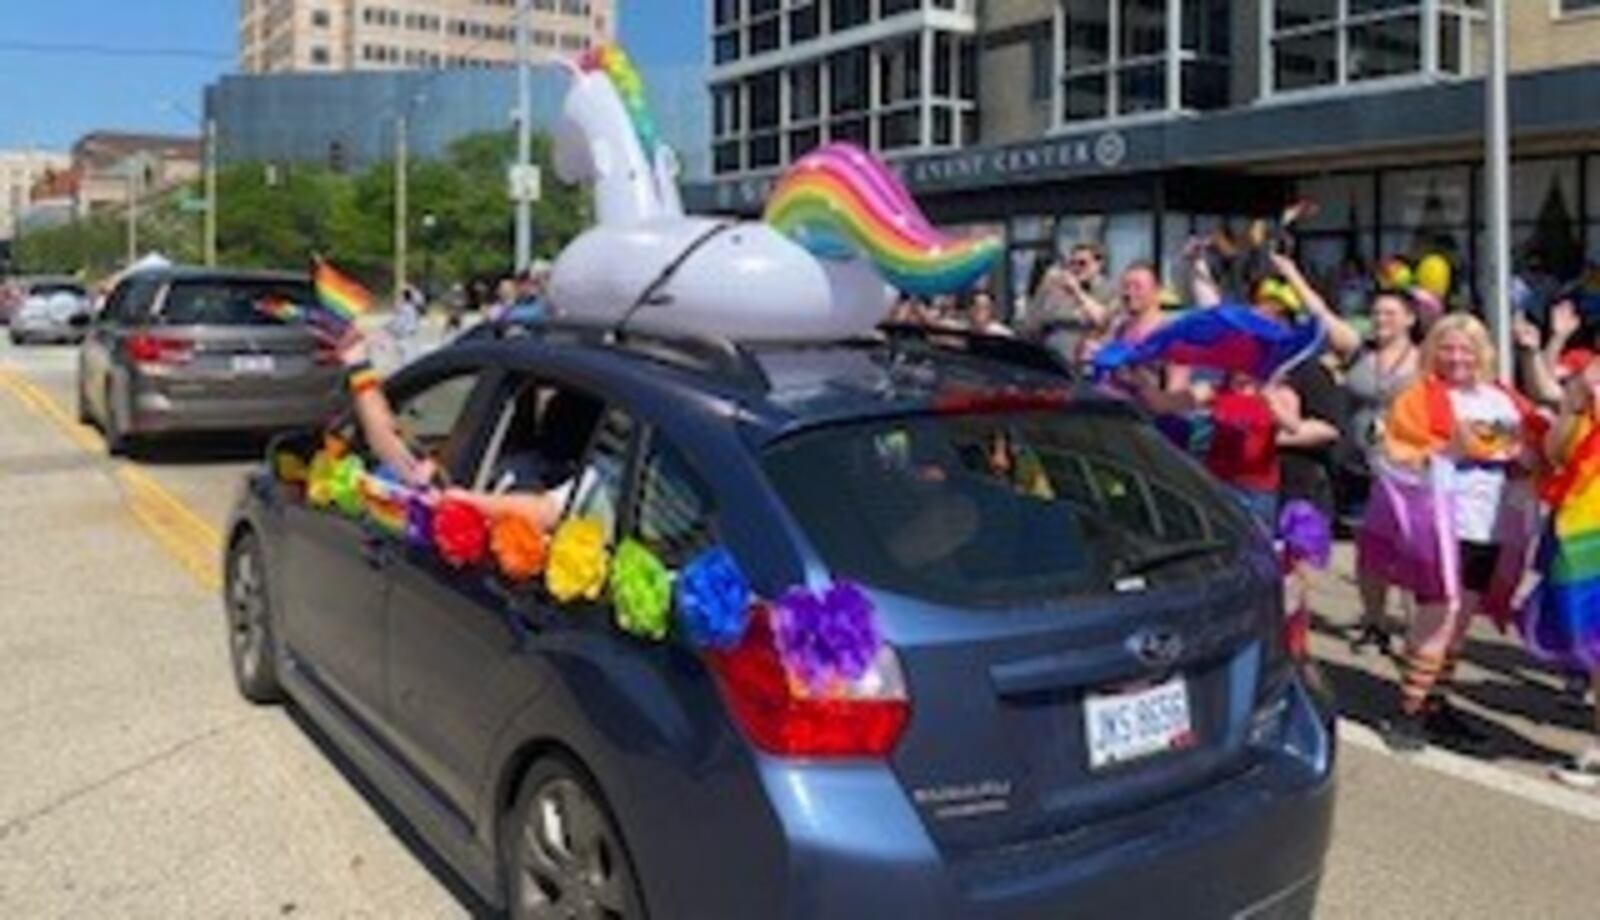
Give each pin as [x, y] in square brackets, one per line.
[386, 503]
[340, 295]
[1227, 338]
[281, 310]
[1561, 622]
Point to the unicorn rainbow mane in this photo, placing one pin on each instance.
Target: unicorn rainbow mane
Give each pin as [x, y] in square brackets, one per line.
[840, 202]
[615, 64]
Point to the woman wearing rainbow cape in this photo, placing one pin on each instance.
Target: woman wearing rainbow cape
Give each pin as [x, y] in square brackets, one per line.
[1452, 514]
[1561, 620]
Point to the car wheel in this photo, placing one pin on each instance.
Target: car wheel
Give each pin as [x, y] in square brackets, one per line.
[252, 644]
[119, 442]
[564, 854]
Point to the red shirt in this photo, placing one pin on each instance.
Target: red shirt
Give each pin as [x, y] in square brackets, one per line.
[1244, 441]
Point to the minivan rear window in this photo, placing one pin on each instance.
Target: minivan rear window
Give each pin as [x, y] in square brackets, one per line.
[228, 302]
[1003, 508]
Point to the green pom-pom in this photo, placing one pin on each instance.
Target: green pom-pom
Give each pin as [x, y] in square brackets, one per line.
[344, 486]
[641, 591]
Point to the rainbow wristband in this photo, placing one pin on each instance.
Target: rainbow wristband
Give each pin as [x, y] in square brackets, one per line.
[363, 378]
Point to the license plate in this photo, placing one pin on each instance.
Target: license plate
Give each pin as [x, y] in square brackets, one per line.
[253, 364]
[1139, 723]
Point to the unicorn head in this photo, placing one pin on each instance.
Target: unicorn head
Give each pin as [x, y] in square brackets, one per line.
[608, 137]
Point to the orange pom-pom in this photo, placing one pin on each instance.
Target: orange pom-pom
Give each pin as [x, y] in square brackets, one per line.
[519, 547]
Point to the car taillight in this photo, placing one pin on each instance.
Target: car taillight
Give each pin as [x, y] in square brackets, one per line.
[145, 348]
[781, 716]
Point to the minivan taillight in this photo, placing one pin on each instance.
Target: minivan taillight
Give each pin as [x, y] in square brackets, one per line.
[781, 716]
[147, 348]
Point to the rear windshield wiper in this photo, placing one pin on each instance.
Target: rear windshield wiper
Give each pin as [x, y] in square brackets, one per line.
[1147, 562]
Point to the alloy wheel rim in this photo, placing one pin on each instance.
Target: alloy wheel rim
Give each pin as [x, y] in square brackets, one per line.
[570, 862]
[246, 607]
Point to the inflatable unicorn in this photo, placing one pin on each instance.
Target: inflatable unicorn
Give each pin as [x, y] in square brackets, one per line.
[838, 227]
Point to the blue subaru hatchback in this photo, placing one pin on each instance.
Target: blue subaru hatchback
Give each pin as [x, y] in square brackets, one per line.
[1084, 704]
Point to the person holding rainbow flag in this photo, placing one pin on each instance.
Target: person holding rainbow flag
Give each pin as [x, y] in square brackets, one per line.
[1561, 619]
[1452, 515]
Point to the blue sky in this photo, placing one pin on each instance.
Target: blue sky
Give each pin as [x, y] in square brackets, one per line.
[49, 99]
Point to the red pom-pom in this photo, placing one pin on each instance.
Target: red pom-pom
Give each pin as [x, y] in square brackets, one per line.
[460, 533]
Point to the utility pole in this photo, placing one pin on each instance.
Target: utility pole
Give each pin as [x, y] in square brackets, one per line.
[1497, 176]
[524, 249]
[211, 193]
[134, 169]
[400, 205]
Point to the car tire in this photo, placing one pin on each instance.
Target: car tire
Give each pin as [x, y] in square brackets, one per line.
[119, 441]
[252, 636]
[564, 854]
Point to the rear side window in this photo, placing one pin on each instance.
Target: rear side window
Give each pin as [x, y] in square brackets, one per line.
[131, 300]
[430, 420]
[228, 302]
[1003, 508]
[599, 488]
[675, 506]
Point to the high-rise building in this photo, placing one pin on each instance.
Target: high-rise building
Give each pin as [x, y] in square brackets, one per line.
[279, 36]
[892, 75]
[1138, 124]
[19, 170]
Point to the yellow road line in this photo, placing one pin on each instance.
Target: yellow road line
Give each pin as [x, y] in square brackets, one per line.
[191, 540]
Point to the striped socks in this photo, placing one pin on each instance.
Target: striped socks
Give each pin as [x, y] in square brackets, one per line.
[1420, 674]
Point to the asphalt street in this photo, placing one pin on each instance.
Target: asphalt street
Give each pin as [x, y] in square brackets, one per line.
[137, 784]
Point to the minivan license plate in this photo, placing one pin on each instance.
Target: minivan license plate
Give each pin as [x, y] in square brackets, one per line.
[253, 364]
[1138, 723]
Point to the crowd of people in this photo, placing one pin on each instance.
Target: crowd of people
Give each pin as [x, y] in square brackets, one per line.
[1401, 431]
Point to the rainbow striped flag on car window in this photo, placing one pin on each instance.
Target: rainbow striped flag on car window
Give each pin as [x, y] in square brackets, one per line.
[338, 293]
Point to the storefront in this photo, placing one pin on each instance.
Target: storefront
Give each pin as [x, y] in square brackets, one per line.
[1395, 172]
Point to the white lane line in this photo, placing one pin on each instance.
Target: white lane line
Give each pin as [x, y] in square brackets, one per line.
[1538, 790]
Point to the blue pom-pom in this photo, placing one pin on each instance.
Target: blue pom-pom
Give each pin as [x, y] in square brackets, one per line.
[714, 600]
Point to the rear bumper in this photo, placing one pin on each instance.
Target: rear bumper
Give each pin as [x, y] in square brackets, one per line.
[156, 412]
[45, 330]
[1251, 846]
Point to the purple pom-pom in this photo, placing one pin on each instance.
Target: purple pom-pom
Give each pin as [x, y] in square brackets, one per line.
[419, 522]
[714, 599]
[1306, 533]
[826, 638]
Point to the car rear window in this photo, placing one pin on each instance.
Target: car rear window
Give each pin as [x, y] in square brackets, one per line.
[228, 302]
[1002, 508]
[50, 290]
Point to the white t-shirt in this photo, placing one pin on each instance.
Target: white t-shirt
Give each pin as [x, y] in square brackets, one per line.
[1493, 432]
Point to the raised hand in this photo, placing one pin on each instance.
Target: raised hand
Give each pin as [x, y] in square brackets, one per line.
[1564, 321]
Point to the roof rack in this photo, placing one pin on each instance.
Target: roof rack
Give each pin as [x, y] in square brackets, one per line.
[1004, 349]
[694, 351]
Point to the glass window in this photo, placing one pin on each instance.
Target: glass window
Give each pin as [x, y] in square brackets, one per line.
[676, 508]
[1343, 202]
[1000, 508]
[900, 129]
[802, 141]
[598, 490]
[900, 71]
[943, 64]
[765, 150]
[428, 419]
[804, 102]
[764, 35]
[1386, 47]
[1290, 14]
[967, 84]
[944, 126]
[896, 7]
[725, 47]
[1418, 197]
[846, 14]
[848, 70]
[1142, 89]
[228, 303]
[805, 23]
[764, 100]
[1544, 189]
[1088, 33]
[1592, 164]
[853, 130]
[539, 436]
[1144, 28]
[1041, 59]
[1305, 61]
[1086, 98]
[725, 157]
[1579, 6]
[725, 109]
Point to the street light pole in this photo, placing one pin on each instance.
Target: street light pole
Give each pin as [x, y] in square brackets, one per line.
[400, 205]
[133, 211]
[524, 242]
[1497, 176]
[211, 192]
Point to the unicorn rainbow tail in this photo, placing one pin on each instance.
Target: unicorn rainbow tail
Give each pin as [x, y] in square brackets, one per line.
[840, 203]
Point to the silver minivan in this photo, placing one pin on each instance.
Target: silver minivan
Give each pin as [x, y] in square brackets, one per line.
[189, 350]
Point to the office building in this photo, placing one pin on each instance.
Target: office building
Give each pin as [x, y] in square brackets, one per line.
[1138, 123]
[292, 36]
